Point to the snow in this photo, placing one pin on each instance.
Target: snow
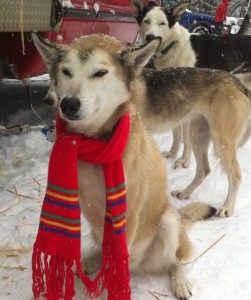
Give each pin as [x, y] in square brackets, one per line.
[96, 7]
[221, 273]
[85, 5]
[68, 4]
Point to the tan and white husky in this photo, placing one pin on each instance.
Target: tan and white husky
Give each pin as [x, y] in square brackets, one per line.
[94, 86]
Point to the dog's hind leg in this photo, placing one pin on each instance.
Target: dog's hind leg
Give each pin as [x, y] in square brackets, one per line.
[199, 138]
[184, 160]
[246, 135]
[177, 138]
[226, 151]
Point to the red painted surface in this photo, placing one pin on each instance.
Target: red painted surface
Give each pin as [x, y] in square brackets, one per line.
[115, 17]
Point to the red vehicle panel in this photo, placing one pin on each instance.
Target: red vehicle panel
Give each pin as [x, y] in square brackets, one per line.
[113, 17]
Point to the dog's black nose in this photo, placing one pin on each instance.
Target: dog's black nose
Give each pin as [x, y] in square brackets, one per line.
[70, 106]
[149, 37]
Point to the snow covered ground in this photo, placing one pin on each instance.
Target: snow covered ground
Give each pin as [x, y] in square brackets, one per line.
[223, 272]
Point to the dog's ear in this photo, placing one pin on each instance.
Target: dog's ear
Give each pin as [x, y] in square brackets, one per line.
[152, 4]
[137, 58]
[137, 6]
[141, 9]
[176, 11]
[48, 51]
[245, 26]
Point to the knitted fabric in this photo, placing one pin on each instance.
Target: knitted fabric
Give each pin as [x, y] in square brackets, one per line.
[57, 246]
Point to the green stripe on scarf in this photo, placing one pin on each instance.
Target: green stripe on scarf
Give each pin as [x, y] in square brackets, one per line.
[116, 188]
[44, 213]
[59, 189]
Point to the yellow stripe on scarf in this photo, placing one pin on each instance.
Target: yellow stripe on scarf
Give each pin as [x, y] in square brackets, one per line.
[71, 199]
[112, 197]
[60, 225]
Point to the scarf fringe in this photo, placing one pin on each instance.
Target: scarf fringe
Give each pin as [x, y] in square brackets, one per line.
[94, 288]
[53, 277]
[118, 279]
[113, 276]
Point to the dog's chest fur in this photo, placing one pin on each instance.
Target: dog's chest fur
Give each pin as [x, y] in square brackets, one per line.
[92, 195]
[177, 57]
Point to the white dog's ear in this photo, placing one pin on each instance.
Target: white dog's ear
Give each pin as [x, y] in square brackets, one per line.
[140, 8]
[48, 50]
[179, 9]
[137, 58]
[137, 5]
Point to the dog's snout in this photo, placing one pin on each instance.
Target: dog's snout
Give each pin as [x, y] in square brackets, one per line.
[149, 37]
[70, 106]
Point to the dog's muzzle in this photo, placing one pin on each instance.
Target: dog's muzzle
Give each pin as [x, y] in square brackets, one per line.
[69, 107]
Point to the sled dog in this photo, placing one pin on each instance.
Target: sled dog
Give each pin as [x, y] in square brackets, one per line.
[95, 84]
[179, 48]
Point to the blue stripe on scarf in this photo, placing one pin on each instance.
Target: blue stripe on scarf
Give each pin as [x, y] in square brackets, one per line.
[112, 204]
[73, 206]
[73, 235]
[119, 231]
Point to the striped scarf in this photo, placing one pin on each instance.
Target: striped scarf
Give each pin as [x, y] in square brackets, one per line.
[57, 247]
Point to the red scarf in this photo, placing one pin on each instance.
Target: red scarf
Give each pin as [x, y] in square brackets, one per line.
[57, 247]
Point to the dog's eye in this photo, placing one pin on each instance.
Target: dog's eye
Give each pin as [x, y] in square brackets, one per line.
[162, 23]
[66, 72]
[100, 73]
[147, 22]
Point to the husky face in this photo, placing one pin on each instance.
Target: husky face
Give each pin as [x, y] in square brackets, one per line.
[89, 86]
[91, 81]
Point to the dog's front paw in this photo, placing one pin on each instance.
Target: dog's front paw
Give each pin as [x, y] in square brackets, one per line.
[92, 264]
[225, 212]
[180, 194]
[181, 163]
[169, 154]
[181, 288]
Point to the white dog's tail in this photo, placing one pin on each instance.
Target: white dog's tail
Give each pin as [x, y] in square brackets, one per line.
[196, 212]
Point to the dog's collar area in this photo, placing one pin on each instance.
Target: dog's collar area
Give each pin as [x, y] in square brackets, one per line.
[165, 50]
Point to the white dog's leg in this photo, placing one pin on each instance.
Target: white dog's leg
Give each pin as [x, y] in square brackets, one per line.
[184, 160]
[200, 138]
[177, 138]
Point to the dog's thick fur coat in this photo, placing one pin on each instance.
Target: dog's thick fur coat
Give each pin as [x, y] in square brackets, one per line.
[94, 86]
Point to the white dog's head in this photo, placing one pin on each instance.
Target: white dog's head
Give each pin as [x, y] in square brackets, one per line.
[155, 21]
[91, 79]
